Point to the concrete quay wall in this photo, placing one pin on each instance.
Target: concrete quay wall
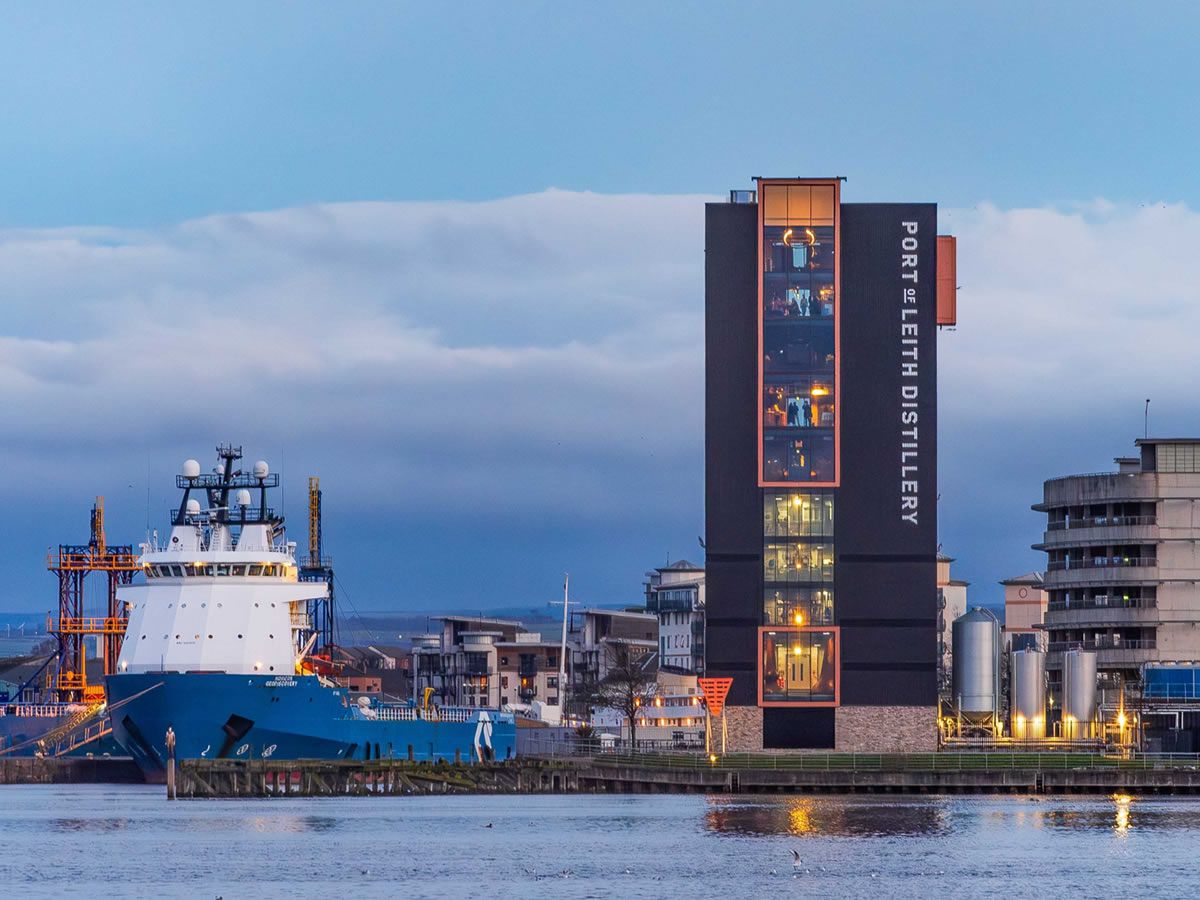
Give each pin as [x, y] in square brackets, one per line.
[69, 770]
[258, 778]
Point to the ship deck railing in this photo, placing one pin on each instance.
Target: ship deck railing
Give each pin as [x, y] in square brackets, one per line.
[40, 710]
[413, 714]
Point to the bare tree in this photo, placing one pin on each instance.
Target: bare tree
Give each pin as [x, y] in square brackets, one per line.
[628, 686]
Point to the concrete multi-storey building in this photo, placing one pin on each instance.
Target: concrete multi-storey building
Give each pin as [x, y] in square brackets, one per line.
[675, 593]
[821, 465]
[1123, 568]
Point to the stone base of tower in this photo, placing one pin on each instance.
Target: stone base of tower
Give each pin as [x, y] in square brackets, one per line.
[745, 727]
[885, 729]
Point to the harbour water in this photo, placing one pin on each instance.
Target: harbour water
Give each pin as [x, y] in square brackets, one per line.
[100, 840]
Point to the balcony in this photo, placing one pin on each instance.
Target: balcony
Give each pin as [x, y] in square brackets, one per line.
[1103, 601]
[1101, 644]
[1103, 618]
[1098, 531]
[1101, 562]
[1102, 522]
[658, 604]
[427, 664]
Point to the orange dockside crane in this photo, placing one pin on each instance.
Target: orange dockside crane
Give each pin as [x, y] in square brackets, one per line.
[72, 564]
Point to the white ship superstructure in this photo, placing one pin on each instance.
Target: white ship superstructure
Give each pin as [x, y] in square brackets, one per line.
[223, 594]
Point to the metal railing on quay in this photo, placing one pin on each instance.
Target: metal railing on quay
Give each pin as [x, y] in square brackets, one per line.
[944, 761]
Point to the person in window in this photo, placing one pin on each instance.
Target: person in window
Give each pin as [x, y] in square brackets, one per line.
[807, 412]
[793, 303]
[793, 412]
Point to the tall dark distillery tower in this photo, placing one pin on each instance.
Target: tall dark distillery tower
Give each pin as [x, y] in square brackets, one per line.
[821, 464]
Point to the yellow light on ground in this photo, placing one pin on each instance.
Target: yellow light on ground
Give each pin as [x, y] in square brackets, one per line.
[1121, 720]
[712, 758]
[799, 617]
[797, 650]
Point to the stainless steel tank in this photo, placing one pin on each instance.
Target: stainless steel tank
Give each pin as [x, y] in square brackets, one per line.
[1079, 694]
[975, 677]
[1027, 682]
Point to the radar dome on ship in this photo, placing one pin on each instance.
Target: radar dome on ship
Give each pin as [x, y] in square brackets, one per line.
[193, 506]
[191, 468]
[243, 497]
[261, 469]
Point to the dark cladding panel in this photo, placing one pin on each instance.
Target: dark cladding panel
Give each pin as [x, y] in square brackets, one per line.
[731, 625]
[886, 530]
[733, 504]
[877, 685]
[886, 589]
[888, 502]
[798, 729]
[902, 642]
[732, 500]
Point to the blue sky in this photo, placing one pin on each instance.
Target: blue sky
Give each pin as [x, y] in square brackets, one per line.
[483, 421]
[137, 113]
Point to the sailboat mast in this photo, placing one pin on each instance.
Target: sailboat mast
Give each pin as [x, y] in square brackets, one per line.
[562, 654]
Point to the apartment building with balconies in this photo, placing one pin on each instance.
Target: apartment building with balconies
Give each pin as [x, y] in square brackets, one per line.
[1123, 570]
[675, 593]
[528, 670]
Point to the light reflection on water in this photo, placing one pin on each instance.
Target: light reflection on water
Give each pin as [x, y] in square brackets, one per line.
[90, 838]
[824, 816]
[833, 816]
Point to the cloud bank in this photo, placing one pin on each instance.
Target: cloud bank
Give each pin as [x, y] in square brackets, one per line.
[493, 392]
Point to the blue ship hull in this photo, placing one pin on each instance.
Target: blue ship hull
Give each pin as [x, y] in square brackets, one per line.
[285, 717]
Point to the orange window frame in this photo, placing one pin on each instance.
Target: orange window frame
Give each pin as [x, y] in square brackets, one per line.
[836, 183]
[837, 663]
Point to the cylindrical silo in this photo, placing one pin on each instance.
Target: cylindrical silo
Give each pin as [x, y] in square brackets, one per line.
[1079, 694]
[1027, 681]
[975, 678]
